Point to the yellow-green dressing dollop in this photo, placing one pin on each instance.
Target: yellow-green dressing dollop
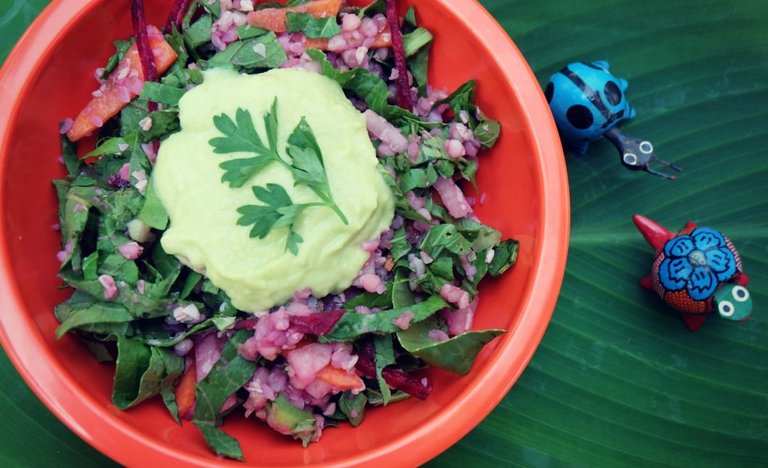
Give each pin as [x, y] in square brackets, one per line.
[259, 273]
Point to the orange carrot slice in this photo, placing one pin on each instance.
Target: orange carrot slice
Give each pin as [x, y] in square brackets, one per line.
[185, 391]
[273, 19]
[340, 379]
[122, 86]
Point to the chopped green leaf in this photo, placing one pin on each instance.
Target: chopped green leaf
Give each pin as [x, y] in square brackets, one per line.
[246, 31]
[456, 354]
[384, 357]
[90, 266]
[410, 16]
[353, 406]
[288, 419]
[415, 40]
[353, 324]
[260, 52]
[327, 68]
[418, 64]
[84, 313]
[141, 371]
[221, 442]
[487, 132]
[199, 32]
[311, 26]
[461, 99]
[112, 145]
[445, 237]
[153, 212]
[122, 47]
[163, 123]
[229, 374]
[69, 155]
[162, 93]
[504, 257]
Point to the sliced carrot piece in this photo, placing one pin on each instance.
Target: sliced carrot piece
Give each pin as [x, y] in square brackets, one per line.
[340, 379]
[382, 40]
[274, 19]
[122, 86]
[185, 391]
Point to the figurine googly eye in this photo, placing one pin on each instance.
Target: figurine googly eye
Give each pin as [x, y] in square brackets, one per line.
[725, 309]
[740, 293]
[630, 158]
[646, 147]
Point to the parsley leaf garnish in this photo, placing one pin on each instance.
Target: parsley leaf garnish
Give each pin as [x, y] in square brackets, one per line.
[279, 212]
[241, 136]
[306, 166]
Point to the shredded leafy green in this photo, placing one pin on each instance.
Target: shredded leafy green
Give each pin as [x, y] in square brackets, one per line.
[311, 26]
[353, 325]
[455, 354]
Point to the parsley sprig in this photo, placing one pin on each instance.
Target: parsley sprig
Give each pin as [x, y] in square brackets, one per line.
[279, 212]
[306, 165]
[241, 136]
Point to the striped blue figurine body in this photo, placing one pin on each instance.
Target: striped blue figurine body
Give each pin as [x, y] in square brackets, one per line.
[588, 103]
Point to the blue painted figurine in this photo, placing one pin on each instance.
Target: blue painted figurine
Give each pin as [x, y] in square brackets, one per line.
[588, 102]
[697, 271]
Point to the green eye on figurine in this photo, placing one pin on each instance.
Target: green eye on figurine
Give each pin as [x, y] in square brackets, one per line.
[697, 271]
[588, 103]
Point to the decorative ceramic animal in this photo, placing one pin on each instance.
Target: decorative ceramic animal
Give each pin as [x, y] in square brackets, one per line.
[588, 102]
[696, 271]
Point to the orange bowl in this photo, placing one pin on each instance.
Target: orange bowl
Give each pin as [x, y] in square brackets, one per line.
[48, 77]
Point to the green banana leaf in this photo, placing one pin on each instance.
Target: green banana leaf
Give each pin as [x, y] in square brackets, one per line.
[618, 380]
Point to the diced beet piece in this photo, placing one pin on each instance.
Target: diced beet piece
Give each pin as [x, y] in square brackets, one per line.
[247, 324]
[394, 377]
[316, 324]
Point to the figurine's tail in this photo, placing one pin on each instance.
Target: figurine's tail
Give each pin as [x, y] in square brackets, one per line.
[653, 232]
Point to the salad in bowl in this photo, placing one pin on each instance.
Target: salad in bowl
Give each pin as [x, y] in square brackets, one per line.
[269, 211]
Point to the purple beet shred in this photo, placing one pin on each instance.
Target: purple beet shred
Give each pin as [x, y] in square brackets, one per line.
[146, 56]
[404, 99]
[176, 16]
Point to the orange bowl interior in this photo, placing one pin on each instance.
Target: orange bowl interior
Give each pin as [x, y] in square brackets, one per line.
[49, 77]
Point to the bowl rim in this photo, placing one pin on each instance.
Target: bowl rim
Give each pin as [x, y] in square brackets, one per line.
[53, 385]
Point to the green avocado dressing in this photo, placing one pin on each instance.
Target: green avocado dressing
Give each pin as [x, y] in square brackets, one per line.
[259, 273]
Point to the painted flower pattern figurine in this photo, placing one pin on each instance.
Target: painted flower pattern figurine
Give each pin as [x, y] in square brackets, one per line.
[696, 271]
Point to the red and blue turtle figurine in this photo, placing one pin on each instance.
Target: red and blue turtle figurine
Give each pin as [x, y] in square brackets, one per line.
[697, 271]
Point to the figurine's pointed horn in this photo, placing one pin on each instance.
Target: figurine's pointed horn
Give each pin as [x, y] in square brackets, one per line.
[653, 232]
